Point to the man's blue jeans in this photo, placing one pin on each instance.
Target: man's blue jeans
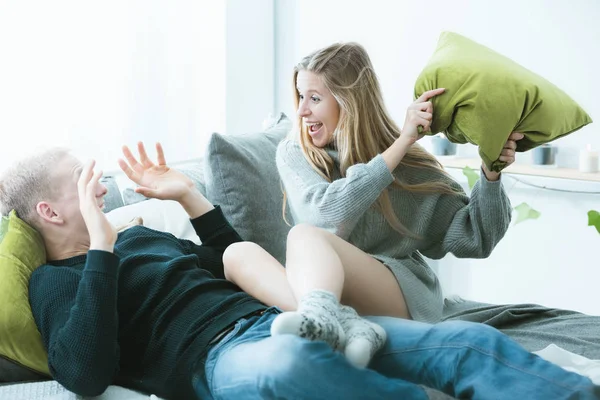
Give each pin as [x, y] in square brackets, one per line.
[462, 359]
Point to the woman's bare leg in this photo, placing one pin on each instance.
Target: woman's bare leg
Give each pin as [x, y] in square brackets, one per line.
[259, 274]
[320, 266]
[315, 257]
[314, 316]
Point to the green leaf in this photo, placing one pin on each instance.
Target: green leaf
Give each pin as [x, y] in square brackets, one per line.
[525, 212]
[594, 219]
[472, 176]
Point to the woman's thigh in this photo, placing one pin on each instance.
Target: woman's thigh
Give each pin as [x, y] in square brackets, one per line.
[369, 287]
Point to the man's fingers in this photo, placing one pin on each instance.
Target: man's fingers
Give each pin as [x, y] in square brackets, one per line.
[95, 179]
[87, 184]
[87, 171]
[92, 184]
[160, 155]
[127, 170]
[145, 160]
[86, 175]
[129, 157]
[146, 192]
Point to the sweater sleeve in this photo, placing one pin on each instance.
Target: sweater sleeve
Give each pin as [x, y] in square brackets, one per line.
[78, 321]
[216, 234]
[475, 225]
[335, 205]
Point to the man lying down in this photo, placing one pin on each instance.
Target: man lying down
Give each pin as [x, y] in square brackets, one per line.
[145, 310]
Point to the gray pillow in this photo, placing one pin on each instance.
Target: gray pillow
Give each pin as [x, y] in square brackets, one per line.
[113, 197]
[241, 176]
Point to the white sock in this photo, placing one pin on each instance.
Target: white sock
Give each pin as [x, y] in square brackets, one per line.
[317, 318]
[363, 338]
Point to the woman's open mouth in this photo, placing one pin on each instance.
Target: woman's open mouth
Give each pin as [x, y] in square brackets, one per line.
[315, 129]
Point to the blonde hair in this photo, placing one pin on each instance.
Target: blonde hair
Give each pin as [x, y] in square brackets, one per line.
[365, 128]
[28, 182]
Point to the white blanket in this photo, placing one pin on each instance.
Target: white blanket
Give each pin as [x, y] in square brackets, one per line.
[572, 362]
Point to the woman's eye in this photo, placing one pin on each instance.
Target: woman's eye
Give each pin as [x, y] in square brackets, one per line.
[315, 99]
[301, 97]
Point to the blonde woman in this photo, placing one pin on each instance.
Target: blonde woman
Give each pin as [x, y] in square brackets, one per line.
[381, 200]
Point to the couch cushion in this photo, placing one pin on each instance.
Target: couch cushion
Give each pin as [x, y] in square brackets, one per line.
[21, 252]
[241, 176]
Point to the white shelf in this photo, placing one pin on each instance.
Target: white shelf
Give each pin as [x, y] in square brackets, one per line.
[532, 170]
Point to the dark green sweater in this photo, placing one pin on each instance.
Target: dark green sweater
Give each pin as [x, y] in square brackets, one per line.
[141, 317]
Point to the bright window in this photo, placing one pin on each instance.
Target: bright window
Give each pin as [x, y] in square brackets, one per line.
[95, 75]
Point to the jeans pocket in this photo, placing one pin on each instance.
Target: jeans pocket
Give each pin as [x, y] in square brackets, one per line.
[211, 356]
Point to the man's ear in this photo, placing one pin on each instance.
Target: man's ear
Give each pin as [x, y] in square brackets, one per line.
[47, 213]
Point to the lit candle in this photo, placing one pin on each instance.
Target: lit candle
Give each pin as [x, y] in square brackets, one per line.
[588, 160]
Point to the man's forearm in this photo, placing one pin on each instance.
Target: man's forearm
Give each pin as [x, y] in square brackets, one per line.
[195, 204]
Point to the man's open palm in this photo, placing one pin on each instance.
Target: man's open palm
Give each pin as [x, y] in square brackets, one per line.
[154, 180]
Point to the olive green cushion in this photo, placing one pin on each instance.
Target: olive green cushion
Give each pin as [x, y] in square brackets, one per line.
[488, 96]
[21, 252]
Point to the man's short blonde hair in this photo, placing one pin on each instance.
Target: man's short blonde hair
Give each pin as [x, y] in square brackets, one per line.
[28, 182]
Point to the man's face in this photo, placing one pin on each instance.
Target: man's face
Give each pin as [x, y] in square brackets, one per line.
[66, 196]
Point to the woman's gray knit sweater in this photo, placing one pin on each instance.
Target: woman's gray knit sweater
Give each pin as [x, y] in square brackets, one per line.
[466, 227]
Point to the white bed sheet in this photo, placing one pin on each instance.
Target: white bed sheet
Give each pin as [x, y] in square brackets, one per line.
[52, 390]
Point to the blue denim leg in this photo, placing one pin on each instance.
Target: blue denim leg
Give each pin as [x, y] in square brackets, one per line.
[468, 360]
[250, 364]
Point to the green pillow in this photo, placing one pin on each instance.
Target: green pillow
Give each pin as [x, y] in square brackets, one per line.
[21, 252]
[488, 96]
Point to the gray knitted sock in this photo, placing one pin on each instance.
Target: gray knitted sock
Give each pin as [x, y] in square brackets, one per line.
[316, 319]
[363, 338]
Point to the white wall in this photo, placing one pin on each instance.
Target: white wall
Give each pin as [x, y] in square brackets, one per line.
[551, 260]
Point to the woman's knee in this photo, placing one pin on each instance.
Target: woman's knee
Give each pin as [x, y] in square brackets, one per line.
[234, 258]
[302, 231]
